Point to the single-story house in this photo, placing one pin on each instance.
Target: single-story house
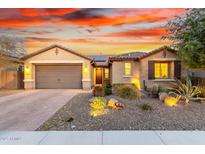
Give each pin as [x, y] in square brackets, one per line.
[57, 67]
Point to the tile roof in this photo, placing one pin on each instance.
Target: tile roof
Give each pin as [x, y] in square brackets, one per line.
[128, 56]
[159, 49]
[139, 55]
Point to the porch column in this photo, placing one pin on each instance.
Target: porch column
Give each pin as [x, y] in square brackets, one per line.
[86, 78]
[29, 82]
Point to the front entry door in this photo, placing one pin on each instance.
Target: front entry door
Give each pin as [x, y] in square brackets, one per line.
[98, 75]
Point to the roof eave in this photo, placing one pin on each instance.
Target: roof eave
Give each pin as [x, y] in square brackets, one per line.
[123, 59]
[158, 50]
[51, 47]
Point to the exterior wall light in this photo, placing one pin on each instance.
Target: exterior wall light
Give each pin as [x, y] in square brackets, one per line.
[27, 70]
[136, 82]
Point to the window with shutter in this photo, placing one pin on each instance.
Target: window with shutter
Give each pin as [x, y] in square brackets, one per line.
[161, 70]
[177, 69]
[150, 70]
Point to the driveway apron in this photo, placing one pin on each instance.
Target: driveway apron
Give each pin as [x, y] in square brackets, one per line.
[27, 110]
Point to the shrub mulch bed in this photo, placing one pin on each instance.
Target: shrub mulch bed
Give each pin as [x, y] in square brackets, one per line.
[75, 116]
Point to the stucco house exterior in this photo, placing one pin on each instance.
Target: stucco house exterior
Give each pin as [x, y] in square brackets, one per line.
[57, 67]
[144, 69]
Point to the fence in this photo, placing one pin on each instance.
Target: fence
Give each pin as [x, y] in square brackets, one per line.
[11, 79]
[198, 77]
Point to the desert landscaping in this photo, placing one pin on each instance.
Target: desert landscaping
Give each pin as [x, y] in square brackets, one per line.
[128, 111]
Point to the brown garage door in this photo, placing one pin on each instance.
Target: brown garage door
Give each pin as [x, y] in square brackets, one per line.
[59, 76]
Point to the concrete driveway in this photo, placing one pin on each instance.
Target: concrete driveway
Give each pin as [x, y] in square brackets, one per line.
[29, 109]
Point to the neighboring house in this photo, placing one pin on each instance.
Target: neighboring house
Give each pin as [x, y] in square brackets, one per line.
[57, 67]
[11, 77]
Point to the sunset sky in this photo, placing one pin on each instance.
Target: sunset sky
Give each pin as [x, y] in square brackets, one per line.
[89, 31]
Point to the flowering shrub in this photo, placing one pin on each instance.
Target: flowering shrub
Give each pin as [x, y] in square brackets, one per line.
[98, 103]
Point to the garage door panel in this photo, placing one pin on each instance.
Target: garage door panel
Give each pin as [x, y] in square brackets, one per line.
[59, 77]
[49, 79]
[62, 85]
[43, 85]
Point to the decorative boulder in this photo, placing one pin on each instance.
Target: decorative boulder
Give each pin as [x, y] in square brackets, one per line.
[113, 103]
[171, 101]
[119, 106]
[162, 96]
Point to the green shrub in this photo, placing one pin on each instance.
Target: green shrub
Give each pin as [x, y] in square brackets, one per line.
[155, 91]
[116, 87]
[107, 91]
[127, 92]
[107, 88]
[98, 91]
[146, 107]
[202, 92]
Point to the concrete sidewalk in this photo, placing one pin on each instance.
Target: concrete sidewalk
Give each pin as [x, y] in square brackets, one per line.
[103, 138]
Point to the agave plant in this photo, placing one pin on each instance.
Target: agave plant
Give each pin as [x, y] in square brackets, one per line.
[186, 91]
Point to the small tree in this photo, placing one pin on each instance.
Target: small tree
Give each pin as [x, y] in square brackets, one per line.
[187, 34]
[10, 47]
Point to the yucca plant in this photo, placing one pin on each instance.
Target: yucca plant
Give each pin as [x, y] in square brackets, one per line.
[186, 91]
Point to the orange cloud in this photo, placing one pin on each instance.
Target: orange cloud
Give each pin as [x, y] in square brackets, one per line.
[19, 23]
[106, 21]
[139, 33]
[85, 17]
[46, 12]
[153, 15]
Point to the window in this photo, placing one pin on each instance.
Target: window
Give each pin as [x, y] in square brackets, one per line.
[106, 73]
[161, 70]
[128, 68]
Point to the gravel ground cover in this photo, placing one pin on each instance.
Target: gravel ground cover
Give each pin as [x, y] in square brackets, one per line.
[75, 116]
